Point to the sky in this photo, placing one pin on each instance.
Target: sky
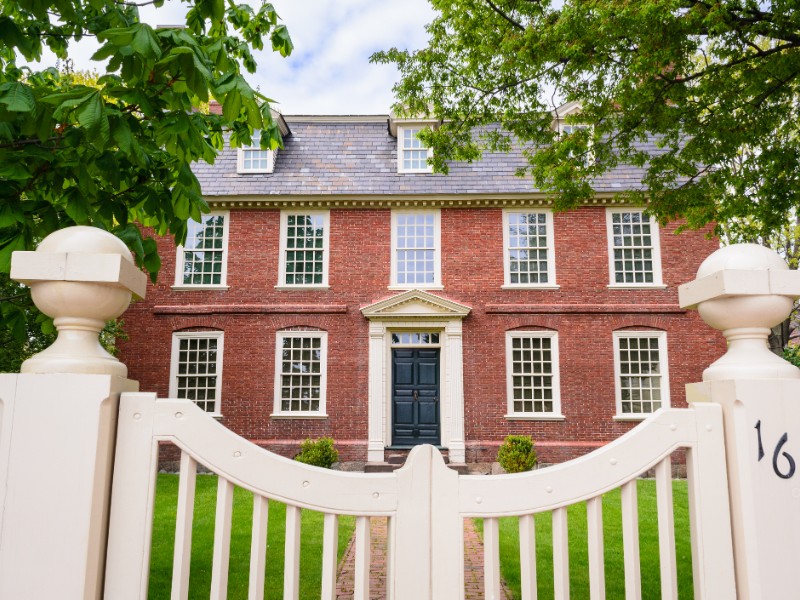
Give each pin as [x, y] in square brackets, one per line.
[329, 70]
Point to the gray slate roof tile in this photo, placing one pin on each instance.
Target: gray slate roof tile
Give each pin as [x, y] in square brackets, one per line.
[361, 158]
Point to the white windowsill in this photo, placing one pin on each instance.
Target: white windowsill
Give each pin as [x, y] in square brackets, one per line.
[525, 417]
[515, 286]
[626, 417]
[302, 287]
[637, 286]
[298, 416]
[415, 287]
[191, 288]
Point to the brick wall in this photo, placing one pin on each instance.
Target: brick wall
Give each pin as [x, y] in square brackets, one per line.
[584, 311]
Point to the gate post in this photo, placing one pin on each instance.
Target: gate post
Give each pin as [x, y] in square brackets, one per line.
[428, 534]
[744, 290]
[58, 420]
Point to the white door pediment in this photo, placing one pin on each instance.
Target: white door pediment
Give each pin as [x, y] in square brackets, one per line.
[415, 304]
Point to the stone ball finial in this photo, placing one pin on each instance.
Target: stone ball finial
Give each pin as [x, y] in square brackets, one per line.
[82, 277]
[744, 290]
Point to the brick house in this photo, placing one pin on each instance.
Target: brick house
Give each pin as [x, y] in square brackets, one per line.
[339, 288]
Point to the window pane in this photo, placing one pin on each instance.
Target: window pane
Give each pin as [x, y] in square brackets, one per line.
[200, 359]
[528, 253]
[202, 256]
[532, 355]
[633, 247]
[415, 248]
[306, 232]
[297, 386]
[640, 381]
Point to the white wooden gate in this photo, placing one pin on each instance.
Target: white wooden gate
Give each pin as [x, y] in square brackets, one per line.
[426, 503]
[71, 414]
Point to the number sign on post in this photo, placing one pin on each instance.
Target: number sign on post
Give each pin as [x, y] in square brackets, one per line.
[745, 290]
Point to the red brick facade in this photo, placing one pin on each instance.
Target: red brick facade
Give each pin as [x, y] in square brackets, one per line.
[584, 311]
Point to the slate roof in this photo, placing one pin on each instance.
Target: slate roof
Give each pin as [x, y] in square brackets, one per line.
[358, 156]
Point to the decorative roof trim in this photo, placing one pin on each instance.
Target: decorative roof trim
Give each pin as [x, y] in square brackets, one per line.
[439, 307]
[394, 122]
[282, 125]
[326, 201]
[336, 118]
[567, 109]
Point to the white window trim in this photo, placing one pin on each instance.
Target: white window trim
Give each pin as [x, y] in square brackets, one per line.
[664, 366]
[556, 414]
[223, 285]
[400, 136]
[173, 367]
[323, 381]
[282, 285]
[551, 255]
[437, 252]
[656, 239]
[240, 168]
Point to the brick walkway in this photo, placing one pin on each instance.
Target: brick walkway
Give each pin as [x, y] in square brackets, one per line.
[473, 564]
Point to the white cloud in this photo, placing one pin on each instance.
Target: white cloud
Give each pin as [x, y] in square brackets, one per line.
[329, 71]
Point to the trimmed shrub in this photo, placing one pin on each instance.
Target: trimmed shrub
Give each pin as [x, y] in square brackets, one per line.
[517, 454]
[318, 453]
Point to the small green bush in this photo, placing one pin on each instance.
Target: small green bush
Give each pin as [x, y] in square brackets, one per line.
[517, 454]
[318, 453]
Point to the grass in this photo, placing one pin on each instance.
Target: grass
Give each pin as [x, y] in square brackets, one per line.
[241, 523]
[612, 534]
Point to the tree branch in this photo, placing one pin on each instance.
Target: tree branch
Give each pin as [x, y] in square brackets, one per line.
[513, 23]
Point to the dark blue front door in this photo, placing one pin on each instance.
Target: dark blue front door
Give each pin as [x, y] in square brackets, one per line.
[415, 396]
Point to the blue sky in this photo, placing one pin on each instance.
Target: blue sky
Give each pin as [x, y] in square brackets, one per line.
[329, 71]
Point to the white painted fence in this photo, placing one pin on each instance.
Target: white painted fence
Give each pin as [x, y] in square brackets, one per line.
[66, 532]
[426, 503]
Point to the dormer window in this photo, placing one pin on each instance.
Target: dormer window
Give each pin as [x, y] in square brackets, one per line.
[566, 122]
[254, 159]
[412, 153]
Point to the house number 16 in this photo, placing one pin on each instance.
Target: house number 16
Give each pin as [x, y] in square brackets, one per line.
[777, 454]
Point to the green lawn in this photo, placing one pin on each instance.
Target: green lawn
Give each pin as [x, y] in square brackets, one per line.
[311, 554]
[203, 540]
[612, 526]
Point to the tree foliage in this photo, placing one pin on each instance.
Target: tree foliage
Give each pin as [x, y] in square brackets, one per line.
[117, 150]
[120, 151]
[715, 83]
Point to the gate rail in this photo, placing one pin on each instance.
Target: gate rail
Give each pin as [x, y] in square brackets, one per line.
[426, 503]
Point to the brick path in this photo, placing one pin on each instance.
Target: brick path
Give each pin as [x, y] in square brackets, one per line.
[473, 564]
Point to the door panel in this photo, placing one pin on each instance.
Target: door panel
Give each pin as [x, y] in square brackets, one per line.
[415, 396]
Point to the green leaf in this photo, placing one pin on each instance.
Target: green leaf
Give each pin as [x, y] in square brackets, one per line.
[77, 207]
[91, 114]
[281, 42]
[10, 215]
[17, 97]
[7, 247]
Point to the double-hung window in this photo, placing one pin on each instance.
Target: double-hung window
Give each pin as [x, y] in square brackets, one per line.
[254, 159]
[202, 260]
[642, 379]
[196, 368]
[416, 249]
[304, 249]
[300, 373]
[532, 374]
[528, 248]
[412, 153]
[633, 248]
